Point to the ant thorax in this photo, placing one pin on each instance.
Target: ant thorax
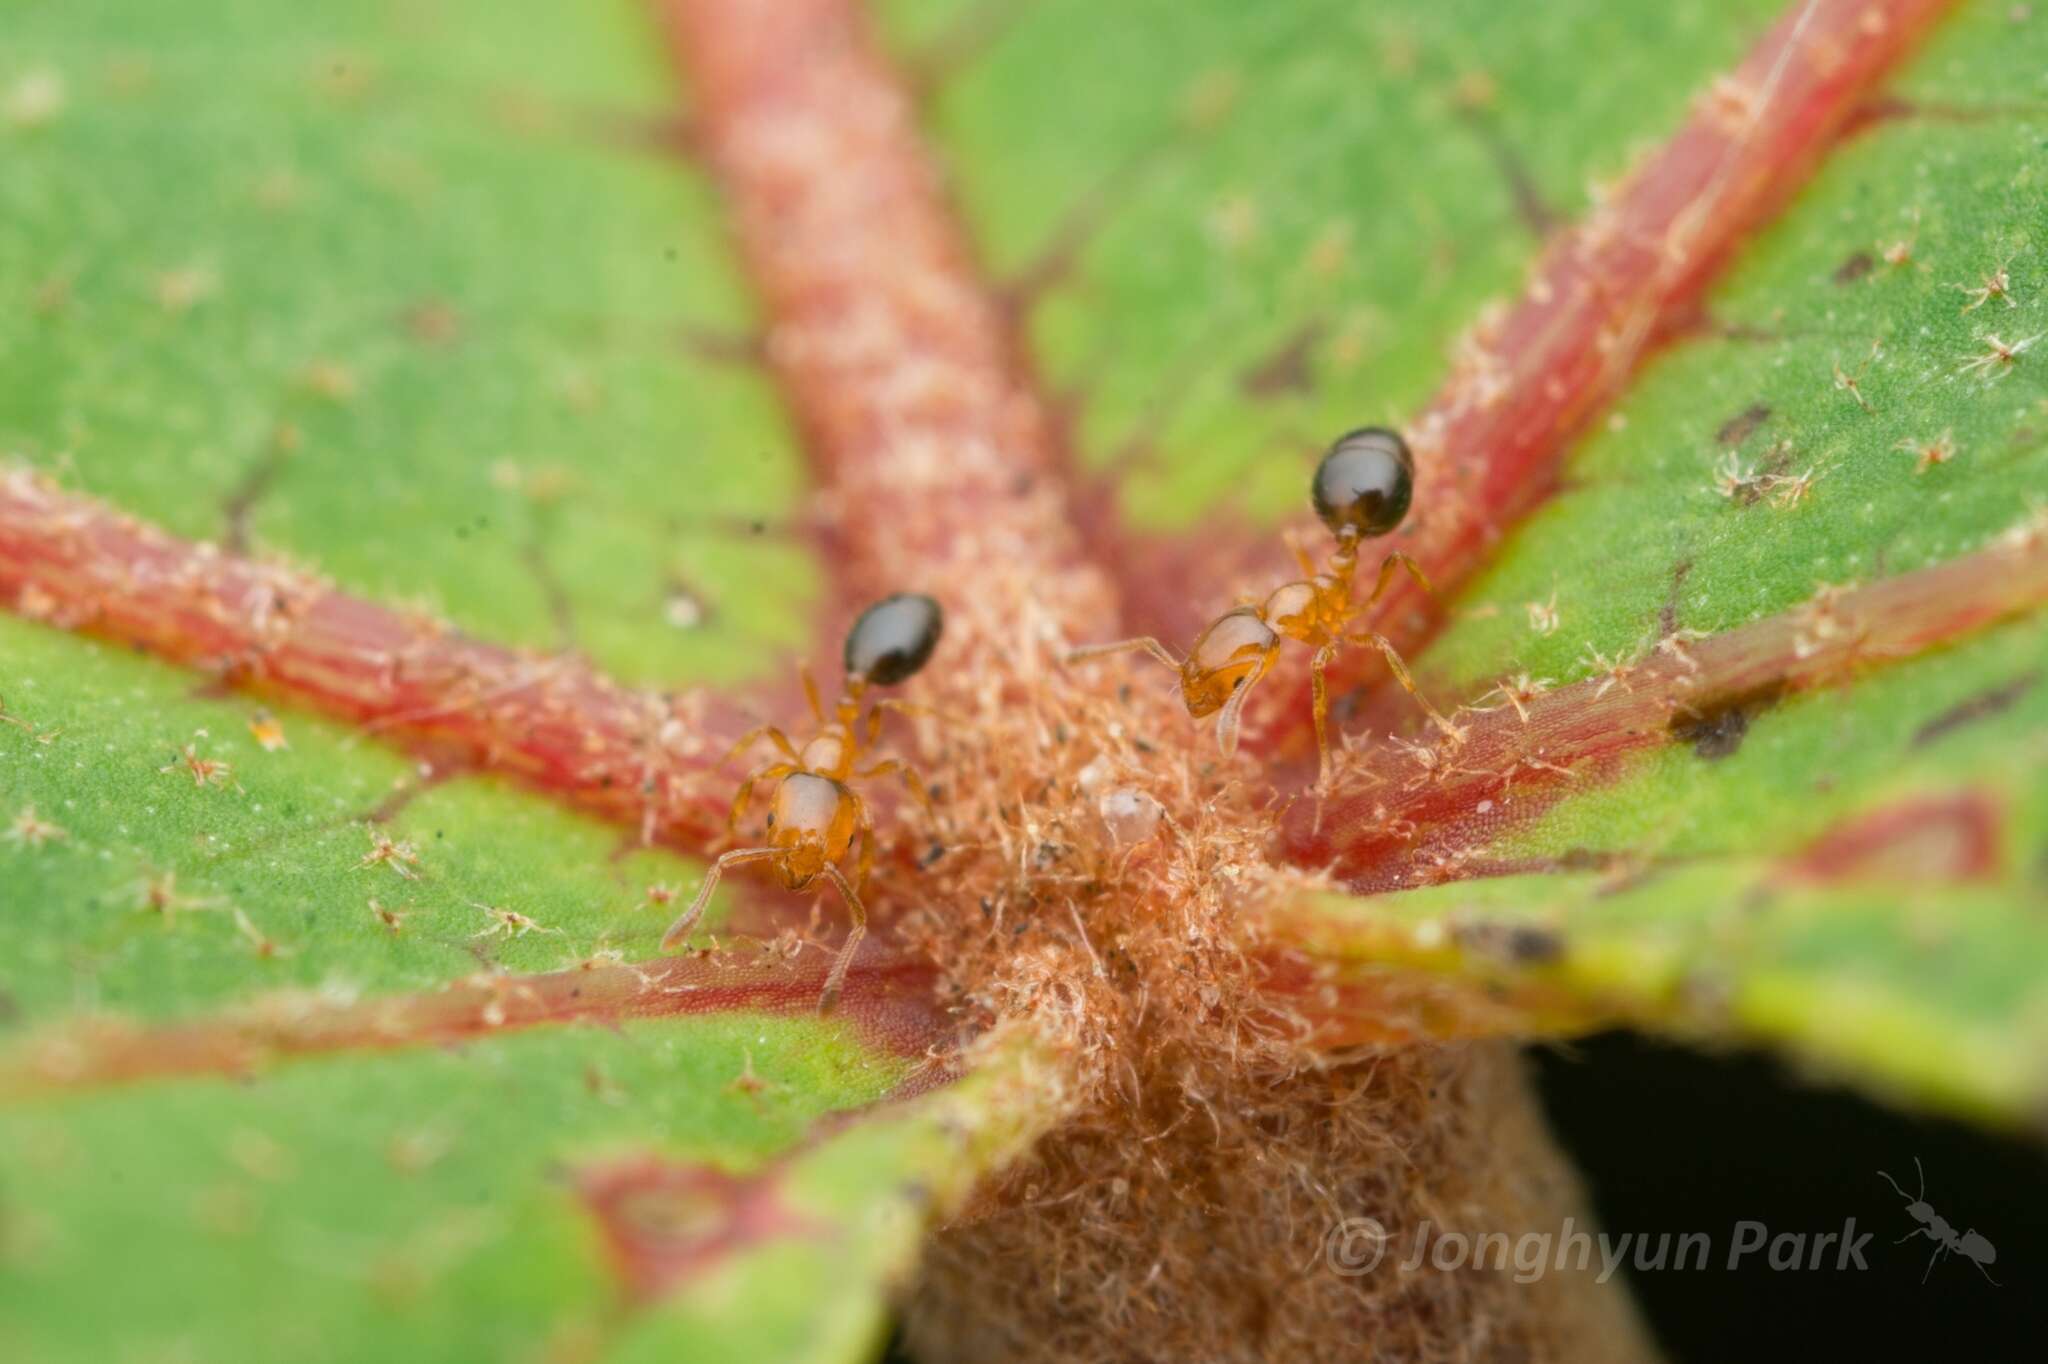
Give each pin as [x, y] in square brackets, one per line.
[1313, 611]
[830, 752]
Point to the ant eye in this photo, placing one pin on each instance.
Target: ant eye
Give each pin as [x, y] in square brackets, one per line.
[1365, 482]
[893, 638]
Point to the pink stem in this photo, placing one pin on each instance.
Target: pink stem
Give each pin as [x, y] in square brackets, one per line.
[646, 760]
[1414, 814]
[940, 465]
[886, 1001]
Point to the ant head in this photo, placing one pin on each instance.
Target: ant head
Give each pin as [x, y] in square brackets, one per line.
[893, 639]
[1364, 484]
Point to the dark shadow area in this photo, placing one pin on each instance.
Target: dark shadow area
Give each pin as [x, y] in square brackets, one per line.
[1672, 1140]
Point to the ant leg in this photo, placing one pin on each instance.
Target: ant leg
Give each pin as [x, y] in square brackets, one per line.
[903, 707]
[1144, 643]
[1387, 566]
[688, 918]
[803, 672]
[1401, 675]
[912, 782]
[1319, 705]
[746, 792]
[1300, 553]
[758, 732]
[909, 707]
[859, 914]
[865, 863]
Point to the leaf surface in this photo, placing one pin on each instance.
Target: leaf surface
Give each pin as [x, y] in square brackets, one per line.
[1855, 876]
[430, 300]
[425, 301]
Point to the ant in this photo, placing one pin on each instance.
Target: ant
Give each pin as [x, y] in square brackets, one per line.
[815, 814]
[1361, 490]
[1971, 1245]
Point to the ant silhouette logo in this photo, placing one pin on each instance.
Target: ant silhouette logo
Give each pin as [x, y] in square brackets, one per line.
[1970, 1244]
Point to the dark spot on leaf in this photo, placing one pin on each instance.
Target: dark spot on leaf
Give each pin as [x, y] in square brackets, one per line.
[1628, 880]
[1739, 427]
[1288, 368]
[1667, 617]
[1739, 331]
[1717, 736]
[1345, 707]
[1519, 944]
[1982, 706]
[432, 322]
[1531, 207]
[1854, 268]
[742, 349]
[1716, 728]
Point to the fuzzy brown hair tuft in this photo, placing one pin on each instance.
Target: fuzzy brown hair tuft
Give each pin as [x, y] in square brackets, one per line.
[1101, 881]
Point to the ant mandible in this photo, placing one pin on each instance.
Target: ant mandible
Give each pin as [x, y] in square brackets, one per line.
[1361, 490]
[815, 814]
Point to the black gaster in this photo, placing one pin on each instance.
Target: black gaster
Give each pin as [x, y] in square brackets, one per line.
[1365, 482]
[894, 638]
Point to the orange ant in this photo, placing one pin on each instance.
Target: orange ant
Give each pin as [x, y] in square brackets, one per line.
[815, 814]
[1361, 490]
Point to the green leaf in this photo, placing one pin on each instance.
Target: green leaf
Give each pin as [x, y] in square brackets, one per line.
[1812, 300]
[415, 1201]
[450, 255]
[414, 299]
[1859, 886]
[1326, 176]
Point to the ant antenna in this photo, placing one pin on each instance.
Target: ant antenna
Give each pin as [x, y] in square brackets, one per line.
[1920, 1197]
